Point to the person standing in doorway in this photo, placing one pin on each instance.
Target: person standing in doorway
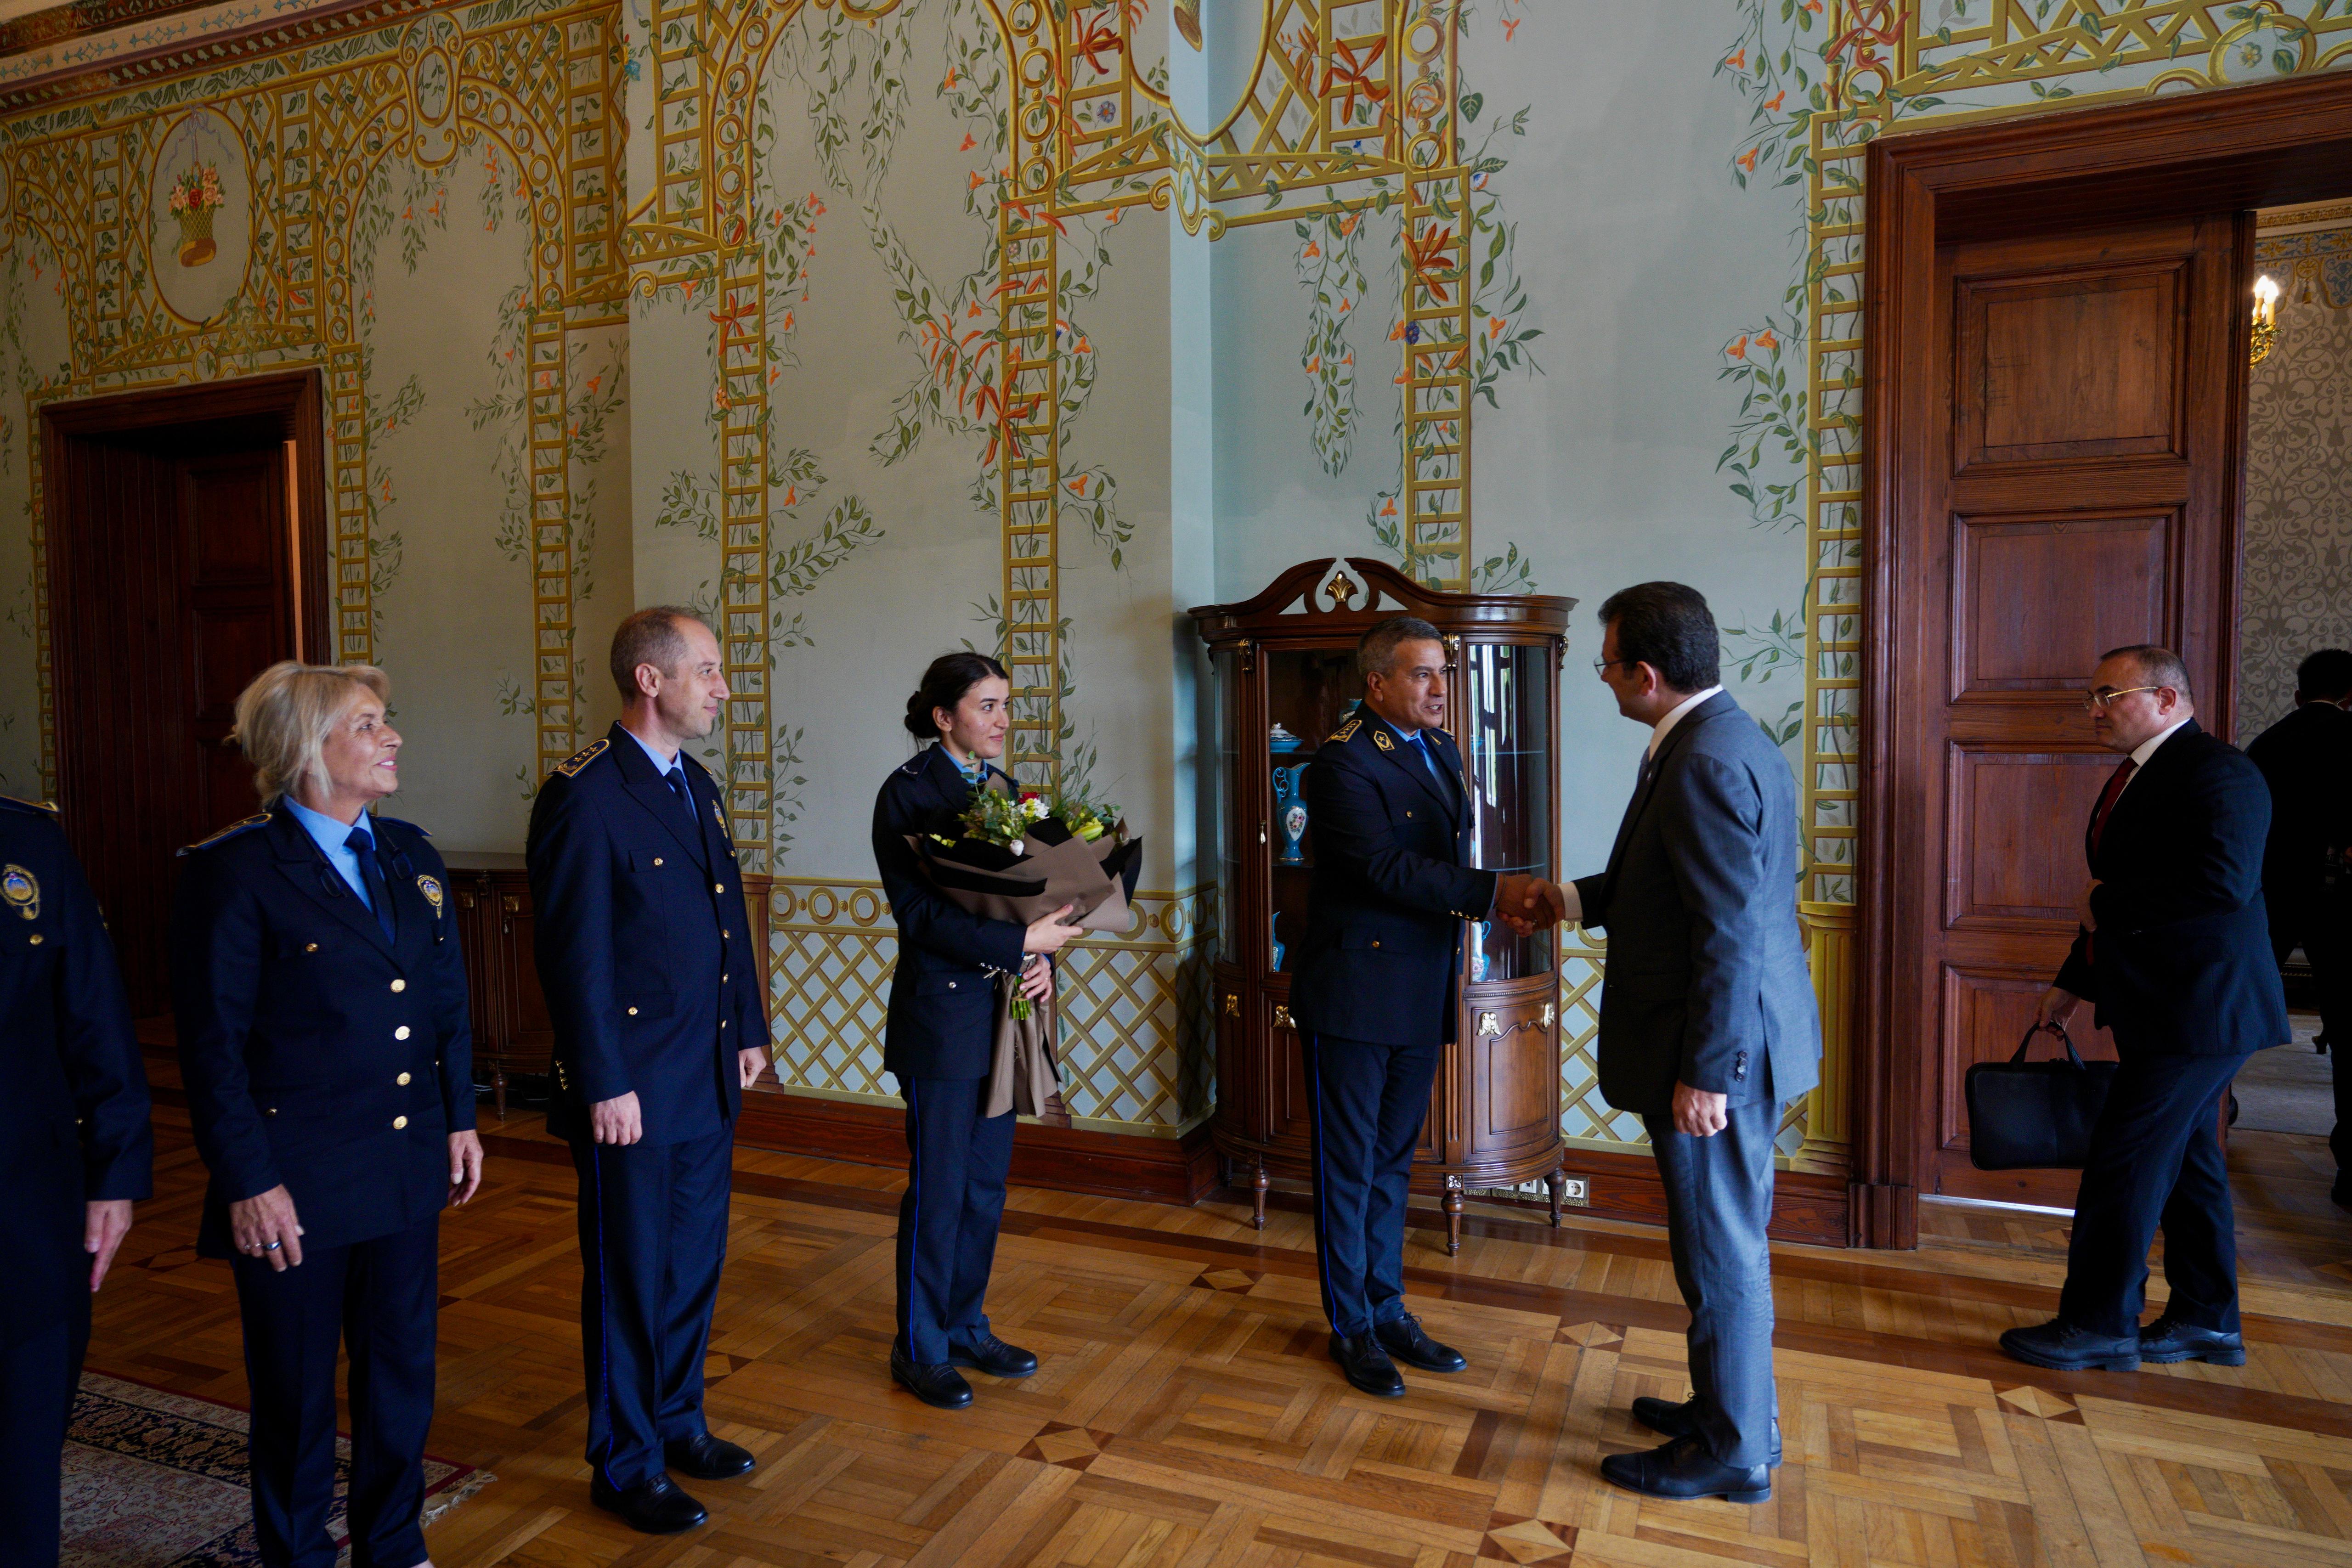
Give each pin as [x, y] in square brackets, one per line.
[2174, 950]
[2307, 759]
[647, 957]
[1376, 993]
[1708, 1024]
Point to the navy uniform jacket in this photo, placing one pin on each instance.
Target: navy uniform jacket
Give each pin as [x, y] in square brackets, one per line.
[1384, 912]
[2306, 757]
[943, 987]
[1706, 982]
[318, 1054]
[645, 946]
[2181, 965]
[73, 1119]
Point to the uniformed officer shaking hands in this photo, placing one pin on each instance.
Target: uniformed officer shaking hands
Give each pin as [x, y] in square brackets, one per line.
[75, 1151]
[1374, 994]
[651, 978]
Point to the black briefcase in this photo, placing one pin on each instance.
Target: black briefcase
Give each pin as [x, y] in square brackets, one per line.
[2035, 1115]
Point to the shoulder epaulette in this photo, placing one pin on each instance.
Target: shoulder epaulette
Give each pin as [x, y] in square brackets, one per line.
[1348, 730]
[46, 807]
[256, 821]
[571, 766]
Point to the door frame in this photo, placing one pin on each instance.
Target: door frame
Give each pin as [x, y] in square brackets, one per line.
[292, 401]
[2149, 159]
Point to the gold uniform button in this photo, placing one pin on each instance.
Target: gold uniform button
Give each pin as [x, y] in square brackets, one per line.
[310, 946]
[722, 1023]
[722, 979]
[657, 860]
[717, 887]
[36, 938]
[402, 1081]
[1376, 941]
[398, 987]
[633, 1012]
[724, 935]
[400, 1033]
[398, 1122]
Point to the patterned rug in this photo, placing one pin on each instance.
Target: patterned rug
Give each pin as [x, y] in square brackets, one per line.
[155, 1480]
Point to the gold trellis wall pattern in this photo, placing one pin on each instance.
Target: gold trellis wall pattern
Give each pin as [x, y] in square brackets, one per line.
[317, 125]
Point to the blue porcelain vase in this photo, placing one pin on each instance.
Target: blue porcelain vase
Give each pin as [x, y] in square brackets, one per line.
[1290, 812]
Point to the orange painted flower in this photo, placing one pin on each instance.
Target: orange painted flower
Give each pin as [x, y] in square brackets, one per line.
[1772, 105]
[1311, 252]
[1738, 62]
[1493, 328]
[1737, 347]
[1387, 509]
[1765, 339]
[968, 143]
[1747, 160]
[1314, 364]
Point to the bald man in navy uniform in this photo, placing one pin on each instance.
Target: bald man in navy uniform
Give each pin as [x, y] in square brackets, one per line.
[1376, 990]
[652, 975]
[75, 1150]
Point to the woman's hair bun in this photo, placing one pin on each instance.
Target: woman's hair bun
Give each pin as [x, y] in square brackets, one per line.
[918, 719]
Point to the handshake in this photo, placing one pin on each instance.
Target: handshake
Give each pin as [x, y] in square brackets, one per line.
[1524, 903]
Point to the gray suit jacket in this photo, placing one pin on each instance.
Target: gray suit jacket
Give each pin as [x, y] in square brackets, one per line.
[1706, 980]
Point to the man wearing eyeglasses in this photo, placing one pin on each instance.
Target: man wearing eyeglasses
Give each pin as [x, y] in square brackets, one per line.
[2174, 951]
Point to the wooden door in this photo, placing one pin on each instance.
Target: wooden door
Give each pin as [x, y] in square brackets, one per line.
[174, 587]
[2073, 443]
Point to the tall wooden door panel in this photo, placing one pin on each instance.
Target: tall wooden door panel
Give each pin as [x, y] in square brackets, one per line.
[2083, 399]
[240, 612]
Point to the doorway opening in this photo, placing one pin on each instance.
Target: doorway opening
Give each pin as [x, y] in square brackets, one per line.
[187, 552]
[2056, 342]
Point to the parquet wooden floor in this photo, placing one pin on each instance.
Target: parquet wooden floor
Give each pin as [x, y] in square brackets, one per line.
[1186, 1414]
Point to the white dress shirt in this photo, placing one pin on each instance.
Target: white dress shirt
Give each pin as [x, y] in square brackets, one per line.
[1658, 733]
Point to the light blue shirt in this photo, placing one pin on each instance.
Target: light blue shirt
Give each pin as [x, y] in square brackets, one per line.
[330, 834]
[664, 767]
[972, 775]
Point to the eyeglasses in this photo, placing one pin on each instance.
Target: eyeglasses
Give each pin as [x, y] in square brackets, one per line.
[1601, 666]
[2093, 701]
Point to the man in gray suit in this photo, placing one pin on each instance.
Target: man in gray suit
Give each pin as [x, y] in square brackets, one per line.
[1707, 1021]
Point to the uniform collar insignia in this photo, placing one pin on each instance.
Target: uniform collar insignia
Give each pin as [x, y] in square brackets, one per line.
[1381, 738]
[21, 891]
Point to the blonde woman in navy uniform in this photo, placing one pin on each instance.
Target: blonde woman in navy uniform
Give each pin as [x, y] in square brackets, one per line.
[320, 992]
[940, 1034]
[75, 1151]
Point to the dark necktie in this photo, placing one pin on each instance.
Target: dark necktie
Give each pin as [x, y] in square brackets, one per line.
[362, 844]
[1641, 769]
[2107, 799]
[675, 779]
[1428, 758]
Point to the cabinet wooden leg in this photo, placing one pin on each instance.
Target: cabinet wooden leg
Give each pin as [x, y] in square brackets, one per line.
[1453, 1217]
[498, 1089]
[1558, 1183]
[1257, 1195]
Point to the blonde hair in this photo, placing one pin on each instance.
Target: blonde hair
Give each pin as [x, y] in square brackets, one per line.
[284, 718]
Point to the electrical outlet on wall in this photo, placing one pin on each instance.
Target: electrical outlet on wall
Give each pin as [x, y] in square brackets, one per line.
[1576, 1191]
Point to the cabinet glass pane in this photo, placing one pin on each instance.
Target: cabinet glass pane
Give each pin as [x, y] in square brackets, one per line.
[1308, 693]
[1222, 782]
[1507, 707]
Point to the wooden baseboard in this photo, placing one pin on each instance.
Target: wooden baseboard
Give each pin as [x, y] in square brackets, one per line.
[1065, 1159]
[1805, 1207]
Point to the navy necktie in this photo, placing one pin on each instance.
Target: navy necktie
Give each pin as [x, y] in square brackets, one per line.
[362, 844]
[675, 779]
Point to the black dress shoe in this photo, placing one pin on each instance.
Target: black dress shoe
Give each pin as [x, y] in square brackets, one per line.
[2164, 1342]
[2061, 1347]
[983, 1352]
[2340, 1194]
[708, 1459]
[942, 1386]
[651, 1508]
[1673, 1420]
[1683, 1470]
[1366, 1362]
[1404, 1340]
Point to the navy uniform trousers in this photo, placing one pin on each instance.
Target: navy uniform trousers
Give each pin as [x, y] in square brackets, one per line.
[1365, 1107]
[956, 1165]
[653, 1241]
[380, 1298]
[38, 1374]
[1719, 1194]
[2156, 1160]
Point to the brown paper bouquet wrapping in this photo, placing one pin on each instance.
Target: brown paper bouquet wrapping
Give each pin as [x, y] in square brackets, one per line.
[1052, 867]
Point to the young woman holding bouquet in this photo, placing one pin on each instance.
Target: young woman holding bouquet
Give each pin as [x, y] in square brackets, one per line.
[942, 1034]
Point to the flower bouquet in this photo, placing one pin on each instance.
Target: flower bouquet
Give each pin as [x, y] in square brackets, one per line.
[193, 197]
[1019, 860]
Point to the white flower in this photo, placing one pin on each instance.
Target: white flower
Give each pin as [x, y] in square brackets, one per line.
[1033, 808]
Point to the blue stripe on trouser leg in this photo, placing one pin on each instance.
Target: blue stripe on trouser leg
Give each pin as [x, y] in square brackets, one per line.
[701, 1173]
[626, 1242]
[988, 1159]
[1408, 1071]
[948, 1219]
[1337, 1244]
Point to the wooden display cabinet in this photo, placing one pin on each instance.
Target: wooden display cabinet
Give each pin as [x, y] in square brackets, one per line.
[1286, 658]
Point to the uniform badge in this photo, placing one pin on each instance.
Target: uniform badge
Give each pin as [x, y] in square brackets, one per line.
[21, 891]
[430, 886]
[1381, 739]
